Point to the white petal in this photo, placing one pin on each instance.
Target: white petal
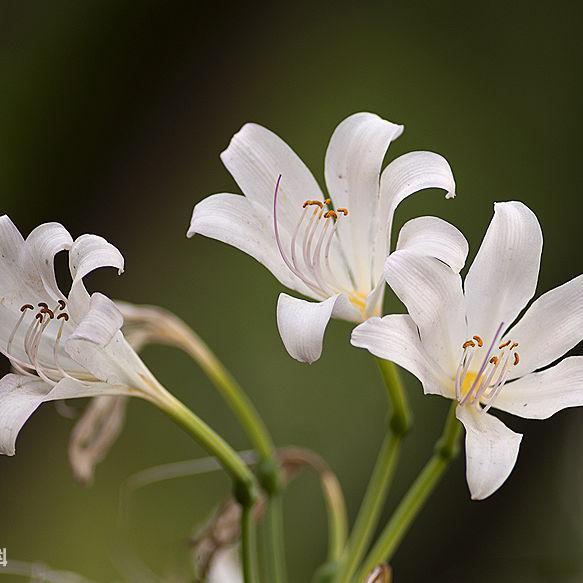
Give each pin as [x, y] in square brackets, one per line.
[434, 237]
[491, 451]
[90, 252]
[100, 348]
[232, 219]
[375, 298]
[225, 567]
[541, 394]
[101, 323]
[550, 327]
[432, 293]
[503, 276]
[15, 283]
[72, 389]
[396, 338]
[255, 158]
[353, 165]
[404, 176]
[302, 324]
[116, 363]
[42, 244]
[20, 396]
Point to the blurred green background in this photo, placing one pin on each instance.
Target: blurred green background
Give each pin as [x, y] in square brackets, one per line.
[112, 117]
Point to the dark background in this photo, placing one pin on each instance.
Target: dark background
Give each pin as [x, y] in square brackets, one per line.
[112, 117]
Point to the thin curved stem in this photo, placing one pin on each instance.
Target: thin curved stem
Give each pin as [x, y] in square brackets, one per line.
[337, 522]
[446, 449]
[383, 472]
[295, 457]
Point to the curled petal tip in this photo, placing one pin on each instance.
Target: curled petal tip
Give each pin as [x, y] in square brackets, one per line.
[450, 194]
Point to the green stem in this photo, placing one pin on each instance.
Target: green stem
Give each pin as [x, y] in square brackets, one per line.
[378, 487]
[273, 527]
[164, 326]
[248, 547]
[446, 449]
[230, 390]
[268, 466]
[244, 482]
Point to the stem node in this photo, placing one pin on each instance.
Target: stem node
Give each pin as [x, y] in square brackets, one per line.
[268, 475]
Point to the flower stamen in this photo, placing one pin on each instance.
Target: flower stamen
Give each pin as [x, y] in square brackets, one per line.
[483, 387]
[279, 243]
[312, 264]
[478, 377]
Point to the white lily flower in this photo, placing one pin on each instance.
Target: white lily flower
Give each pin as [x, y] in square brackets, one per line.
[336, 256]
[59, 347]
[461, 344]
[103, 419]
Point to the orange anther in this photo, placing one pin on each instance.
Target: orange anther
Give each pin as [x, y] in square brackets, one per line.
[516, 358]
[469, 343]
[479, 341]
[343, 211]
[494, 360]
[312, 203]
[505, 344]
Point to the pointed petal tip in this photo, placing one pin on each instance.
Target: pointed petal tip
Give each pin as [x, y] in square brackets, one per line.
[245, 128]
[399, 128]
[512, 203]
[192, 228]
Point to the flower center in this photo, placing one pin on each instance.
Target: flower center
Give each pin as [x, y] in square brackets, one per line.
[40, 319]
[482, 373]
[308, 255]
